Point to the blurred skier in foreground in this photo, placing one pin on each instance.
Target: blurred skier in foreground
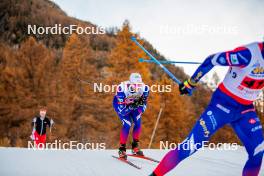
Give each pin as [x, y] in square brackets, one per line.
[130, 102]
[231, 103]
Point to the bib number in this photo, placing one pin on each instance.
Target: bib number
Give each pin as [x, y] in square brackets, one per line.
[252, 83]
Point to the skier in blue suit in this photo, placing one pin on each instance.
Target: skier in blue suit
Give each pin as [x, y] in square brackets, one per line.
[130, 103]
[231, 103]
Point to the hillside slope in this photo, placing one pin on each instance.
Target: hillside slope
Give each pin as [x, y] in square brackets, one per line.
[58, 71]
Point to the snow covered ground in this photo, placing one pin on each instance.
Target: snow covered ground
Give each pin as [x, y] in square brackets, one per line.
[24, 162]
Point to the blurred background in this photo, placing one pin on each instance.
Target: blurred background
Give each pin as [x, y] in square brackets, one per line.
[58, 71]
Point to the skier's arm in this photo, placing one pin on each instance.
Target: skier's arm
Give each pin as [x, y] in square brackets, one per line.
[240, 57]
[50, 122]
[144, 98]
[33, 124]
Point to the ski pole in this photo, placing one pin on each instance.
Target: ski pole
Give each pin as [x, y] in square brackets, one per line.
[155, 128]
[157, 62]
[167, 62]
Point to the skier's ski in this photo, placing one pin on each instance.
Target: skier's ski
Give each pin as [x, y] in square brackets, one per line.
[126, 161]
[144, 157]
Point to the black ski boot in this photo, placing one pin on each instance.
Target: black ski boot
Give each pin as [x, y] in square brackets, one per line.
[122, 152]
[135, 148]
[153, 174]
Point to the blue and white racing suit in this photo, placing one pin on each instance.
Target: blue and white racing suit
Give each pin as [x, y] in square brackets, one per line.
[126, 95]
[231, 103]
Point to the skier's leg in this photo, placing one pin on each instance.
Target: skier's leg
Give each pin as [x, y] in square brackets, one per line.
[249, 130]
[42, 141]
[126, 124]
[136, 116]
[44, 138]
[211, 120]
[36, 139]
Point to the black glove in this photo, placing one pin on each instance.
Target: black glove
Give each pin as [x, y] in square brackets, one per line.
[139, 102]
[187, 87]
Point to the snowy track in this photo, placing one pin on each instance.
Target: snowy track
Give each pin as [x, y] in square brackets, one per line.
[24, 162]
